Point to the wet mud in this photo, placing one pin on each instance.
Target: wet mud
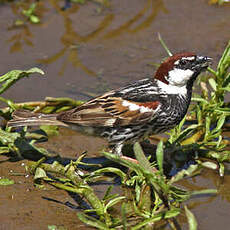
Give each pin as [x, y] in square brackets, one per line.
[84, 51]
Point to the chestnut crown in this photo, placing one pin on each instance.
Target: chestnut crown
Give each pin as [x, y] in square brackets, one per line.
[181, 68]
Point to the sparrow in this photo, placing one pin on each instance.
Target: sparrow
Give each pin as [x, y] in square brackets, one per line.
[135, 111]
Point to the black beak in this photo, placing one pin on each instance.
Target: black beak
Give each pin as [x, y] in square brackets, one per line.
[203, 62]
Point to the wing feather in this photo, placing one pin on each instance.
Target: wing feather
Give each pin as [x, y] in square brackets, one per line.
[109, 111]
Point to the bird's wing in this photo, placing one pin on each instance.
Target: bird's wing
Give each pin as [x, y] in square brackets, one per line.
[111, 110]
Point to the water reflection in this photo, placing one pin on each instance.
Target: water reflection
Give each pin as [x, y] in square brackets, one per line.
[22, 37]
[153, 6]
[71, 40]
[211, 178]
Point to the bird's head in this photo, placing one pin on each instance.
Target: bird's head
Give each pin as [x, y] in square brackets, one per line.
[182, 69]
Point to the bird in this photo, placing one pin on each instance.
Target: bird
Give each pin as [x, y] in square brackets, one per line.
[133, 112]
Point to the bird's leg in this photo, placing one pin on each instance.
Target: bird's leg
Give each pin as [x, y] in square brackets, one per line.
[117, 149]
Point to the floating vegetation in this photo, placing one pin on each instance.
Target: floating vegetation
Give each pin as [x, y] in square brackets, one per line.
[30, 13]
[219, 2]
[31, 10]
[6, 181]
[149, 193]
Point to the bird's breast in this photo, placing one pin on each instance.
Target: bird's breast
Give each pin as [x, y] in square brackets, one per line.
[170, 114]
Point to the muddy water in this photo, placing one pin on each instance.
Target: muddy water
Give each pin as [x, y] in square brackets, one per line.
[87, 50]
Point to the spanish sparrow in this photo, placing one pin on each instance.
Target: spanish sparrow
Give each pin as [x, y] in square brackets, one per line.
[132, 112]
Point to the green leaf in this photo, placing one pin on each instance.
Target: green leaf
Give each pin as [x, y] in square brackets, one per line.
[226, 81]
[210, 165]
[220, 122]
[126, 163]
[78, 1]
[212, 71]
[164, 45]
[221, 169]
[181, 123]
[123, 215]
[204, 192]
[226, 88]
[6, 181]
[7, 138]
[160, 156]
[219, 142]
[180, 195]
[140, 156]
[137, 192]
[182, 173]
[114, 201]
[212, 83]
[191, 219]
[116, 171]
[107, 193]
[34, 19]
[187, 131]
[50, 130]
[55, 227]
[92, 221]
[52, 227]
[163, 215]
[29, 11]
[11, 77]
[224, 62]
[39, 174]
[200, 100]
[225, 111]
[4, 150]
[207, 126]
[19, 22]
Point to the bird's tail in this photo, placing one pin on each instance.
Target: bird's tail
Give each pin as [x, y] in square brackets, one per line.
[27, 118]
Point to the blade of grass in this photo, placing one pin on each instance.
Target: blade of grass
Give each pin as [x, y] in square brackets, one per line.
[140, 156]
[164, 45]
[192, 223]
[160, 156]
[92, 221]
[11, 77]
[157, 217]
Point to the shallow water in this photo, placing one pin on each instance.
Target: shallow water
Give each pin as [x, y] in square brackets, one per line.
[87, 50]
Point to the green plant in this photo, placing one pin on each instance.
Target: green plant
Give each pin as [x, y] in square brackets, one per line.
[30, 13]
[149, 195]
[219, 2]
[209, 115]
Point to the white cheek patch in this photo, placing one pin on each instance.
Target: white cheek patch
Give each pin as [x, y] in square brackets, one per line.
[172, 89]
[179, 76]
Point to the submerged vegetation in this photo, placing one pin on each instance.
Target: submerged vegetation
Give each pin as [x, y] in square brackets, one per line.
[150, 195]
